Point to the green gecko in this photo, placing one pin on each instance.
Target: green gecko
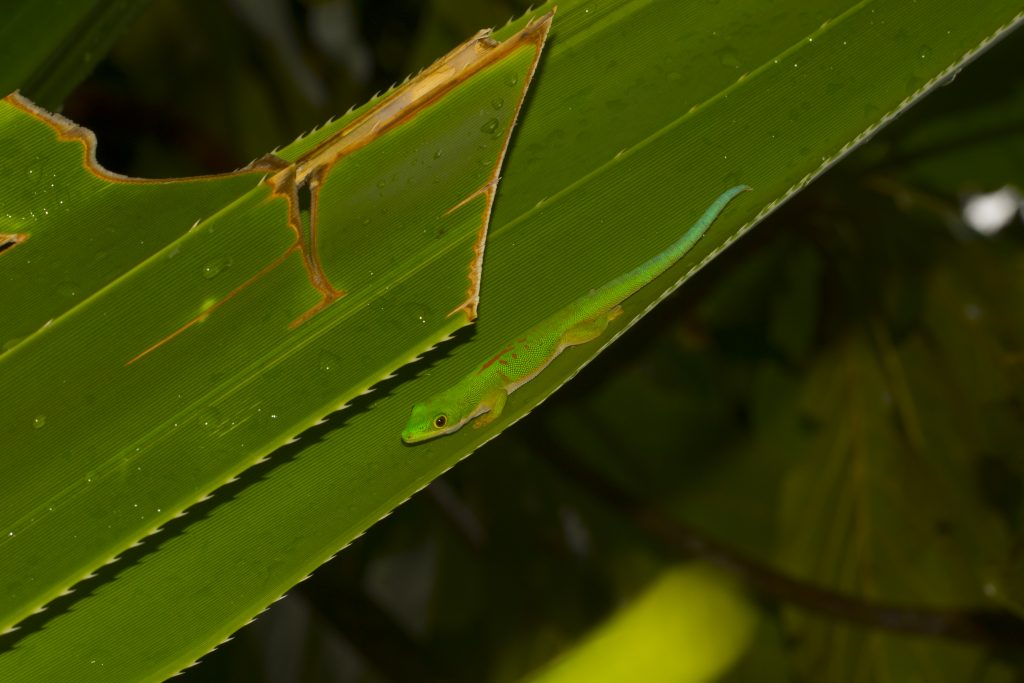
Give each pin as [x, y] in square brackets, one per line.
[483, 393]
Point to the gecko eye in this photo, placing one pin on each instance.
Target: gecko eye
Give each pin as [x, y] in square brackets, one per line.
[440, 421]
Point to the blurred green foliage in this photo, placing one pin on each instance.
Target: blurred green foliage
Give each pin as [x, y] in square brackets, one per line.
[838, 396]
[662, 635]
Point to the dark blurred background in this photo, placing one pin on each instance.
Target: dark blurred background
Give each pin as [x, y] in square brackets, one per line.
[207, 86]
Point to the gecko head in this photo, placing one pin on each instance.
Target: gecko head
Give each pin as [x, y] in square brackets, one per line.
[430, 419]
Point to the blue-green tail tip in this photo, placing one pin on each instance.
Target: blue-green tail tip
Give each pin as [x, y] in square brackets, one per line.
[723, 200]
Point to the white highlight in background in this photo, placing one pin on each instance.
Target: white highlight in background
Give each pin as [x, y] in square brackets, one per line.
[989, 213]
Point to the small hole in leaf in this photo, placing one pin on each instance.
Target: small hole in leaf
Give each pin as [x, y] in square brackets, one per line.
[10, 241]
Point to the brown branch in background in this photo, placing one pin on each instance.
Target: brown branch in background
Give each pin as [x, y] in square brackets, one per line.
[969, 624]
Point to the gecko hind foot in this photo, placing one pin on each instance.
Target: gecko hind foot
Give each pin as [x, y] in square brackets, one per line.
[590, 329]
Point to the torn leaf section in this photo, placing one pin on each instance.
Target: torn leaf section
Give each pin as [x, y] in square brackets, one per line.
[464, 63]
[431, 173]
[284, 185]
[76, 227]
[480, 85]
[370, 202]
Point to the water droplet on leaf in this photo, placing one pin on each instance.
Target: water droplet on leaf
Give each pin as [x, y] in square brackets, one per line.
[728, 57]
[69, 289]
[210, 418]
[329, 362]
[421, 312]
[216, 267]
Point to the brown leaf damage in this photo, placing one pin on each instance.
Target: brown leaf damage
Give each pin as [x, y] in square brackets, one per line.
[309, 171]
[69, 131]
[10, 240]
[459, 65]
